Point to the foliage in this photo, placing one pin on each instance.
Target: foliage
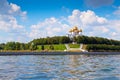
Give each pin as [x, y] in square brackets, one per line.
[10, 46]
[96, 40]
[51, 40]
[42, 47]
[15, 46]
[102, 47]
[51, 47]
[2, 45]
[56, 43]
[33, 46]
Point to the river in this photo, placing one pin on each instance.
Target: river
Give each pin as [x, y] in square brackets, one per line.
[60, 67]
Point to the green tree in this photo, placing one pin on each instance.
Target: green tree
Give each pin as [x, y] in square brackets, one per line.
[51, 47]
[42, 47]
[2, 45]
[64, 39]
[17, 45]
[33, 46]
[10, 46]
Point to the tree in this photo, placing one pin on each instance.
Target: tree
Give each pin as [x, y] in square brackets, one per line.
[51, 47]
[42, 47]
[33, 46]
[2, 45]
[64, 39]
[10, 46]
[17, 45]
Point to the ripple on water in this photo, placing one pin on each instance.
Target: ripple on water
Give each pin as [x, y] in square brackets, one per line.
[61, 67]
[108, 78]
[37, 76]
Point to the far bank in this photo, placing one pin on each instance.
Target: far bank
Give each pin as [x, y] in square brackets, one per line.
[58, 53]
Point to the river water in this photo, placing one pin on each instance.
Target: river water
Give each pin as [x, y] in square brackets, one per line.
[60, 67]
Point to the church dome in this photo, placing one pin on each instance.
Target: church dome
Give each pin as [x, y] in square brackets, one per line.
[71, 30]
[75, 28]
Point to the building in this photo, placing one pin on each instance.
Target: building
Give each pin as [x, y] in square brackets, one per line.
[74, 32]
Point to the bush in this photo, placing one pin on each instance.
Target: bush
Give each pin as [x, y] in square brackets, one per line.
[102, 47]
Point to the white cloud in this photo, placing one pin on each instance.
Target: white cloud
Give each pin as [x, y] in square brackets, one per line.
[114, 25]
[10, 27]
[49, 27]
[8, 21]
[85, 18]
[113, 34]
[11, 9]
[92, 25]
[8, 13]
[101, 29]
[14, 7]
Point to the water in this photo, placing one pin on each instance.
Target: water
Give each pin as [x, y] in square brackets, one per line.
[60, 67]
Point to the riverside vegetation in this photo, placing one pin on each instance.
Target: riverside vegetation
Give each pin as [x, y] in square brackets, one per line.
[56, 43]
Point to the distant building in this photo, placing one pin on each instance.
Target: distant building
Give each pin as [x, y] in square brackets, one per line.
[74, 32]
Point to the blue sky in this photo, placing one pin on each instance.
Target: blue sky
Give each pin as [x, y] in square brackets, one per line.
[25, 20]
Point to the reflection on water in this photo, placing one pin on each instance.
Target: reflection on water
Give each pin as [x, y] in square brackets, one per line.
[60, 67]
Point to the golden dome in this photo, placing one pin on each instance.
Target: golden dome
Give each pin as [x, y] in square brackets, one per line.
[75, 28]
[71, 30]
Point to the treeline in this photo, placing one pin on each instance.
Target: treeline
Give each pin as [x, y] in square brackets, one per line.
[14, 46]
[32, 45]
[96, 40]
[102, 47]
[51, 40]
[79, 39]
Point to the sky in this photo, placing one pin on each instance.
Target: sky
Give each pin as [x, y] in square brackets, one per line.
[25, 20]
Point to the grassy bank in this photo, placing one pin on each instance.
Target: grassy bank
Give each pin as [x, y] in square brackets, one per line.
[61, 48]
[55, 47]
[74, 45]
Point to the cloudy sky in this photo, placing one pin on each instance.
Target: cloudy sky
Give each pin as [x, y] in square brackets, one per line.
[25, 20]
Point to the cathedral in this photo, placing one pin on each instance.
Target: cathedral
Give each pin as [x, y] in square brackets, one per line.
[74, 32]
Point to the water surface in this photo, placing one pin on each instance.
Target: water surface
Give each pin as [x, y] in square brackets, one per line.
[60, 67]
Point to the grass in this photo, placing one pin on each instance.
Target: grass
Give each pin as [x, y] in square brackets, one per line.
[74, 45]
[61, 46]
[56, 47]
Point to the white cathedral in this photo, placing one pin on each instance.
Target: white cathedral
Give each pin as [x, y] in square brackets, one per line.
[74, 32]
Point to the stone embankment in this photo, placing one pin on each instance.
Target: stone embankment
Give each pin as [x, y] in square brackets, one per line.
[57, 53]
[80, 49]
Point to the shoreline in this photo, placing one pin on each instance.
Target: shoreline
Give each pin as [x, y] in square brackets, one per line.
[58, 53]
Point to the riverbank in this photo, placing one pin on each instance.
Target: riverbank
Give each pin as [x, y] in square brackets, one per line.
[58, 53]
